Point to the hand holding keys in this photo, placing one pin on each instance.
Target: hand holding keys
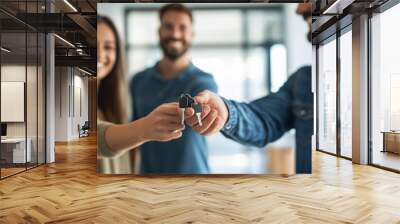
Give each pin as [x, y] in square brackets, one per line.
[186, 101]
[214, 113]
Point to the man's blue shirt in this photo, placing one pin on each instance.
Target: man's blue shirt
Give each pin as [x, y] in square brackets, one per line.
[149, 90]
[265, 120]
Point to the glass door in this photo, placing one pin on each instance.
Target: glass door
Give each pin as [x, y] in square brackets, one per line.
[14, 154]
[346, 94]
[327, 96]
[385, 89]
[22, 87]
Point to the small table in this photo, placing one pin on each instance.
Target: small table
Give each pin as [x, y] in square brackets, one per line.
[13, 150]
[391, 141]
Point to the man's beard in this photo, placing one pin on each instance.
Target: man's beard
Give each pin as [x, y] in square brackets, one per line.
[173, 54]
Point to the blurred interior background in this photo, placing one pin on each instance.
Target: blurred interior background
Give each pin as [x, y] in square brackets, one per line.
[250, 49]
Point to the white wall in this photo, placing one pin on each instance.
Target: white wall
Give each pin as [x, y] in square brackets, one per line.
[68, 83]
[33, 126]
[80, 100]
[84, 84]
[14, 73]
[61, 103]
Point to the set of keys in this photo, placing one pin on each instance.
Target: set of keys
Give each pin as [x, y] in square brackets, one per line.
[187, 101]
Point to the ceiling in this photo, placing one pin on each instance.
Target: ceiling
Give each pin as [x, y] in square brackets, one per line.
[72, 20]
[332, 15]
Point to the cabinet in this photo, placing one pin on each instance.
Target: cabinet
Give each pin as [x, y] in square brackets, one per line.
[391, 141]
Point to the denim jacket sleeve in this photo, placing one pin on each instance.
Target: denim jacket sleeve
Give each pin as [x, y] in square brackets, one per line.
[261, 121]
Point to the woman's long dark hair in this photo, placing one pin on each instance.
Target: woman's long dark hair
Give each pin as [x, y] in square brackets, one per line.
[112, 91]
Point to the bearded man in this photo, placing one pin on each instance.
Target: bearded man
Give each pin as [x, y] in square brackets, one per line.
[173, 75]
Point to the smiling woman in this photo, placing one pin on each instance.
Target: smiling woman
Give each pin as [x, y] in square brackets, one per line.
[116, 137]
[110, 74]
[110, 77]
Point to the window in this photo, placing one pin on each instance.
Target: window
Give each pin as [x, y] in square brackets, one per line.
[329, 111]
[327, 97]
[385, 89]
[346, 94]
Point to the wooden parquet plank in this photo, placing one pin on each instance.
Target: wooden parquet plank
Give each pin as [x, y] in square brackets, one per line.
[70, 191]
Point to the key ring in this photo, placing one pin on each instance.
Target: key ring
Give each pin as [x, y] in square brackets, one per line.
[186, 101]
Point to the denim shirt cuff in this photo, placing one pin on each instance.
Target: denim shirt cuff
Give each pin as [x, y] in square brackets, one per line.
[232, 116]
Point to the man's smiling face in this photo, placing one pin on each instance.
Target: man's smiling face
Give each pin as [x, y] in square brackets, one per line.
[175, 34]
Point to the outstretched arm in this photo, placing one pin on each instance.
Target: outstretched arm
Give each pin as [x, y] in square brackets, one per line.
[162, 124]
[257, 123]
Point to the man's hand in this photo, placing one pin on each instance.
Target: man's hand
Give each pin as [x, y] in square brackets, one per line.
[213, 117]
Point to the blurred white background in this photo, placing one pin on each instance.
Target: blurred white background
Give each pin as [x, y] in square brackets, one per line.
[250, 49]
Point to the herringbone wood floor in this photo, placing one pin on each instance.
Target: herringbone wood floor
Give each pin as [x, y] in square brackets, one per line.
[70, 191]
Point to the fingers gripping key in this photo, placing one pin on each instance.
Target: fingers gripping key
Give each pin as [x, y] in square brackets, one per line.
[186, 101]
[197, 109]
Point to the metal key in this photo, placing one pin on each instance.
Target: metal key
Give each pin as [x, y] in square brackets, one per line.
[197, 109]
[183, 104]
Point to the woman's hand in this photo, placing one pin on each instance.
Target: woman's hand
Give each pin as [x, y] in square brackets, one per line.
[162, 124]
